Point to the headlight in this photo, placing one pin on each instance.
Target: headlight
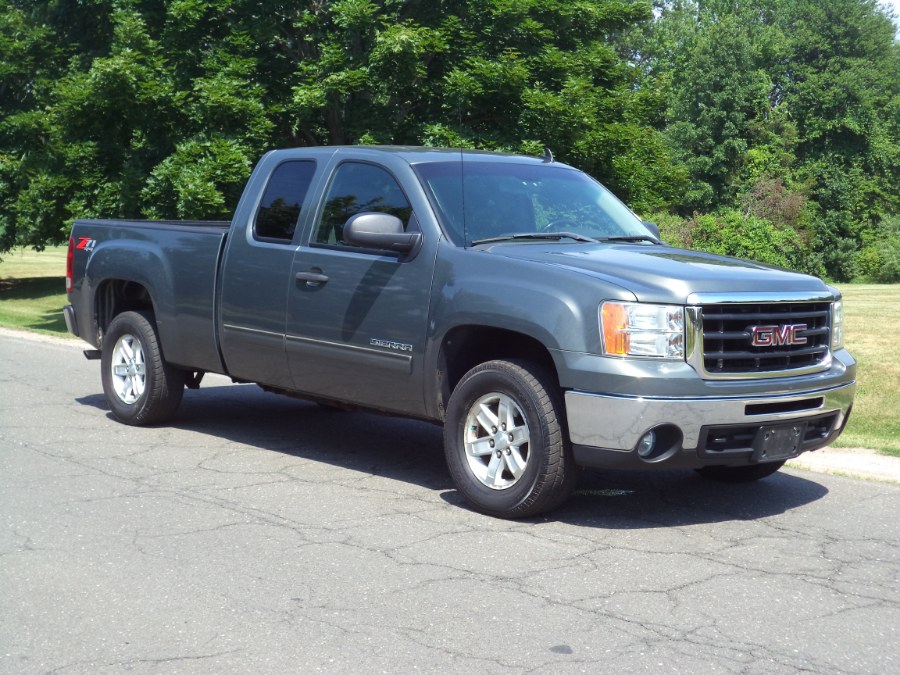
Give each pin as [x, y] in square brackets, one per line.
[638, 329]
[837, 325]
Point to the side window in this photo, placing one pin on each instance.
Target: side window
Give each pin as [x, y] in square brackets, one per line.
[279, 209]
[358, 187]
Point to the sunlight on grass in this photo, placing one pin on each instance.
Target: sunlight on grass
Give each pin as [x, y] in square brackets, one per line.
[23, 263]
[872, 312]
[33, 290]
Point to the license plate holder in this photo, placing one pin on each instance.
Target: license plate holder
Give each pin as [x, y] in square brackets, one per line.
[778, 441]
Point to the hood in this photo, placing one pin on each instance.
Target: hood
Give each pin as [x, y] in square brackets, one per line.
[662, 273]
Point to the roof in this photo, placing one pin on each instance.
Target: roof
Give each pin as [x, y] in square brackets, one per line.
[418, 154]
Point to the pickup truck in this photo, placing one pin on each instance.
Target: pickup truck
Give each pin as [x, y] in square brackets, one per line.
[514, 300]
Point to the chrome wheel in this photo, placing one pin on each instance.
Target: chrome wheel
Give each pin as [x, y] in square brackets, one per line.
[497, 441]
[128, 369]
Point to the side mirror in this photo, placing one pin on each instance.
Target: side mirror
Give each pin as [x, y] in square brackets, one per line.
[653, 227]
[380, 231]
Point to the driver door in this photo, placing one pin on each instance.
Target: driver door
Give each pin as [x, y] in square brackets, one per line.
[356, 318]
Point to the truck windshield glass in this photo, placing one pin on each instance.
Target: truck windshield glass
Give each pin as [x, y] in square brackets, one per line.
[479, 201]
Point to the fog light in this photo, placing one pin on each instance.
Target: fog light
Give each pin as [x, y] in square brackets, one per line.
[646, 444]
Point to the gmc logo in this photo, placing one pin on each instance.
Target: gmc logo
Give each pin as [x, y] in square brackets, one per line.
[776, 336]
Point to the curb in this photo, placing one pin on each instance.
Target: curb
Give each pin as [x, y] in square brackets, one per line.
[854, 462]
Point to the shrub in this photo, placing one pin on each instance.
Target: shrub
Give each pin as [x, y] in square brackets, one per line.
[880, 260]
[747, 236]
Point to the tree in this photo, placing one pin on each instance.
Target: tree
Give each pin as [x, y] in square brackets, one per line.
[798, 91]
[160, 107]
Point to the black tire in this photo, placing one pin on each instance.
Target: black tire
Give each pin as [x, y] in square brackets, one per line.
[140, 386]
[739, 474]
[533, 407]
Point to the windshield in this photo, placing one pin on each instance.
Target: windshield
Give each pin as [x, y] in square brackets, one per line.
[486, 200]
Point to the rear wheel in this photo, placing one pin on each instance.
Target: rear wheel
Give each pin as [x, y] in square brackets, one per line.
[504, 441]
[739, 474]
[140, 386]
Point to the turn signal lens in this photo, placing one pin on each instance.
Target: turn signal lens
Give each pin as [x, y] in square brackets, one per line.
[615, 329]
[638, 329]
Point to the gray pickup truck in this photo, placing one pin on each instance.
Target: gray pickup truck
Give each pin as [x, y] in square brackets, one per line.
[515, 300]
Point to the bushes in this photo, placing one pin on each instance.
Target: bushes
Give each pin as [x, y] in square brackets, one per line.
[879, 261]
[733, 233]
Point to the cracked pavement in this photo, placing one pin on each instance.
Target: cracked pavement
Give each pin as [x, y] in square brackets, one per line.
[257, 533]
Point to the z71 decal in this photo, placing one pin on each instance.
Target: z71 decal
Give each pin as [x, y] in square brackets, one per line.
[85, 244]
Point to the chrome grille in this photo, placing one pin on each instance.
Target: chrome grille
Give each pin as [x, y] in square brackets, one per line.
[727, 337]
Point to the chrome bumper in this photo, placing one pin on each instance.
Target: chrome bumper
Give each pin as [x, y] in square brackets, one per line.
[617, 423]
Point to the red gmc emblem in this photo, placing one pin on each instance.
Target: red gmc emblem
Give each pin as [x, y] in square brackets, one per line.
[776, 336]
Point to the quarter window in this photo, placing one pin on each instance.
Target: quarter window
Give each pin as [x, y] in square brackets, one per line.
[358, 188]
[279, 210]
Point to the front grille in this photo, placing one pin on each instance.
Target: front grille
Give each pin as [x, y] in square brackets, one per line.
[728, 333]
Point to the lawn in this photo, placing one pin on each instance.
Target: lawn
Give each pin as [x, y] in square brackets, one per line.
[32, 295]
[871, 314]
[33, 290]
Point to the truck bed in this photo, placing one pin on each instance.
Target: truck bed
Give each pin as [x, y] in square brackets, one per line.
[178, 261]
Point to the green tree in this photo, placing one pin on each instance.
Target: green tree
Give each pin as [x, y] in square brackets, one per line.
[160, 107]
[799, 91]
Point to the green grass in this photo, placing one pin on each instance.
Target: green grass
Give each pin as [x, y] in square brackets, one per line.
[33, 290]
[32, 295]
[872, 314]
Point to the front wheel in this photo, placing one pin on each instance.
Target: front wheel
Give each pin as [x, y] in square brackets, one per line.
[140, 386]
[504, 440]
[739, 474]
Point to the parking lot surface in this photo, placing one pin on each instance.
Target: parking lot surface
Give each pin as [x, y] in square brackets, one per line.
[258, 534]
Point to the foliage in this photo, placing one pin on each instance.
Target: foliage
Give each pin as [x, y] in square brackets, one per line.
[719, 117]
[796, 91]
[748, 236]
[160, 107]
[879, 260]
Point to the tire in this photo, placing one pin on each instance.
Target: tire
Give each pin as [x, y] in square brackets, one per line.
[522, 469]
[140, 387]
[739, 474]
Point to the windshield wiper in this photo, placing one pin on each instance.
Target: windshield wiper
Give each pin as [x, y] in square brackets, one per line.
[556, 236]
[632, 237]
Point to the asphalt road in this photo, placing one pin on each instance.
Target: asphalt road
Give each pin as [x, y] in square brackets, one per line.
[262, 534]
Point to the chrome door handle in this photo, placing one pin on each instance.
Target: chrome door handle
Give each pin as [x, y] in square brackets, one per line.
[312, 278]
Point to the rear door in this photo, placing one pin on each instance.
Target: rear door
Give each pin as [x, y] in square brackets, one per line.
[356, 318]
[255, 279]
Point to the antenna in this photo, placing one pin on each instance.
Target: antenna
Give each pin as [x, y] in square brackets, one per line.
[548, 156]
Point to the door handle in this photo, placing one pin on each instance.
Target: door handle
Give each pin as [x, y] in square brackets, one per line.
[312, 278]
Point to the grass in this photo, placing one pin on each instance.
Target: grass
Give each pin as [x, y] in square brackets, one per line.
[871, 313]
[33, 290]
[32, 295]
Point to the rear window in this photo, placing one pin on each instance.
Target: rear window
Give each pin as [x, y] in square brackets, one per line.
[282, 201]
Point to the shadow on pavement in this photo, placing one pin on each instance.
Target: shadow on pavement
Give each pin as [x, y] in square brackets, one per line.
[412, 452]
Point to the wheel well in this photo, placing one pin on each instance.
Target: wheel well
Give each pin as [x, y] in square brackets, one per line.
[115, 296]
[465, 347]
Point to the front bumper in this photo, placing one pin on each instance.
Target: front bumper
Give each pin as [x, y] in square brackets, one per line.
[605, 430]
